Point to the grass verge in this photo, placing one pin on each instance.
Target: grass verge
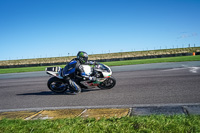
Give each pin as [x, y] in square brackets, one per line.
[113, 63]
[154, 60]
[153, 123]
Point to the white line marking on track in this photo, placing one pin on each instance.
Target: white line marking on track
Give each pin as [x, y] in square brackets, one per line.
[191, 69]
[194, 69]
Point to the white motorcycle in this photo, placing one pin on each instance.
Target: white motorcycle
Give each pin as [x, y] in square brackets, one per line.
[103, 74]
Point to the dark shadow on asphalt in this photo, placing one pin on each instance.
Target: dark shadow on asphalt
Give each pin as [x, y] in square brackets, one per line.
[53, 93]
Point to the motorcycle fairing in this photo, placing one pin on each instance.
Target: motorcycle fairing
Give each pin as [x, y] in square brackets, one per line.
[104, 69]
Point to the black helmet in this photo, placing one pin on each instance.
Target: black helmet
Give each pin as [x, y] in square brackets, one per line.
[82, 56]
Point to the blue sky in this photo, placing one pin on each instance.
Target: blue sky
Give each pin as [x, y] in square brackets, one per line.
[52, 28]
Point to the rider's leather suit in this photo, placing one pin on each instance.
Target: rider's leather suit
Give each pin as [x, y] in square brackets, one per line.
[73, 73]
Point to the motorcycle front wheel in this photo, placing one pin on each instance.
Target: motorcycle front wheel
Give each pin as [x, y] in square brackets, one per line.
[108, 83]
[56, 85]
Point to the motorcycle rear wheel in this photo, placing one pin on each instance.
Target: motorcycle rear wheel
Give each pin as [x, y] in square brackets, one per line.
[108, 83]
[56, 85]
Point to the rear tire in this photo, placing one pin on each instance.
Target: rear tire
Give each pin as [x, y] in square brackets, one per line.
[108, 83]
[56, 85]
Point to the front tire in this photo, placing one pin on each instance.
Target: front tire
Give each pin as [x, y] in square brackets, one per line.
[108, 83]
[56, 85]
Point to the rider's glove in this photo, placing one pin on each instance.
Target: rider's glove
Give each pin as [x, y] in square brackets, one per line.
[92, 78]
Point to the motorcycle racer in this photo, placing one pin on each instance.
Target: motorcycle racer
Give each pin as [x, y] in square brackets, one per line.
[74, 73]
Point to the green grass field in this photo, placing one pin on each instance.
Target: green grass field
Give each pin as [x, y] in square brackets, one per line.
[144, 124]
[154, 60]
[113, 63]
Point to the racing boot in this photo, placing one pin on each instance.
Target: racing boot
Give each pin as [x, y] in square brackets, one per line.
[74, 87]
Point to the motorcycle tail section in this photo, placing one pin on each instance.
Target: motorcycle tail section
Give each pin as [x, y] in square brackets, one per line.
[54, 71]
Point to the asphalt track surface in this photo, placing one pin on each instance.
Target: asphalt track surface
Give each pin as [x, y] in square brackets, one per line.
[148, 84]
